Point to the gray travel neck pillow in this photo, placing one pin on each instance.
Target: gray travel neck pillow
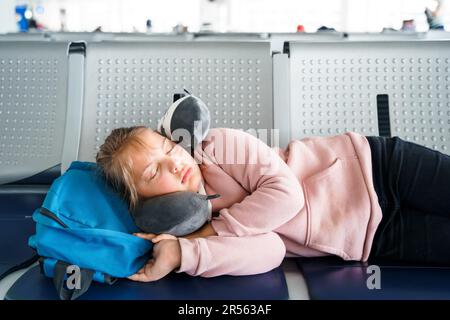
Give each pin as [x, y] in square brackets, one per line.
[178, 213]
[187, 123]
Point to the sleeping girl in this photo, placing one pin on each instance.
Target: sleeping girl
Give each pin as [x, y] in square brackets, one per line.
[349, 195]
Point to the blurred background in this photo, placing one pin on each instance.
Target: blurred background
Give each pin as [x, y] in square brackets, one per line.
[177, 16]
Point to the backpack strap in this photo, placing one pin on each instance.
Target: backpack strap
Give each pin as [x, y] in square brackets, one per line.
[59, 275]
[20, 266]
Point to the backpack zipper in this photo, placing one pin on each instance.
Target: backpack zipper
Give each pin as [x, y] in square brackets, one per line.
[52, 216]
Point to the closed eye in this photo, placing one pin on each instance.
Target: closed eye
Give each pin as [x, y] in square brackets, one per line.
[157, 168]
[152, 177]
[168, 152]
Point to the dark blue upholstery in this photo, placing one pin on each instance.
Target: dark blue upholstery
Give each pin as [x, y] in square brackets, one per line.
[45, 177]
[271, 285]
[16, 225]
[14, 234]
[332, 278]
[4, 267]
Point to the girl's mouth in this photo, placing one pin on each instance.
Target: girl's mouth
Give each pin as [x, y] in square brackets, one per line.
[186, 175]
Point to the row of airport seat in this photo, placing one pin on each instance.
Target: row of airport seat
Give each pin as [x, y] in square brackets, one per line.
[59, 100]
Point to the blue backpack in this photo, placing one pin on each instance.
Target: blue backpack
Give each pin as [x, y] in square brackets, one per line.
[84, 225]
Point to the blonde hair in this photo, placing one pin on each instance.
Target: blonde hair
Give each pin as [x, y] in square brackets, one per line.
[116, 166]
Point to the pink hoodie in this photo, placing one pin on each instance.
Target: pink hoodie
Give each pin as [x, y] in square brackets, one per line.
[314, 198]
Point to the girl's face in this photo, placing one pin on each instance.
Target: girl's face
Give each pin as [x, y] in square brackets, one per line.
[163, 167]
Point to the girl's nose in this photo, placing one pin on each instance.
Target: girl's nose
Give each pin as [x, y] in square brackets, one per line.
[174, 165]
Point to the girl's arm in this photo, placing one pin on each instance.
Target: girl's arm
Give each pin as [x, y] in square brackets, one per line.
[215, 256]
[212, 256]
[275, 194]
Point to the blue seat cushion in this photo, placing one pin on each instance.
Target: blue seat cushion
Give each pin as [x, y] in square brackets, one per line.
[332, 278]
[45, 177]
[14, 234]
[267, 286]
[16, 226]
[4, 267]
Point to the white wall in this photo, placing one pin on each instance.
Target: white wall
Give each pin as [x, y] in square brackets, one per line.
[343, 15]
[374, 15]
[217, 13]
[236, 15]
[7, 16]
[119, 15]
[284, 15]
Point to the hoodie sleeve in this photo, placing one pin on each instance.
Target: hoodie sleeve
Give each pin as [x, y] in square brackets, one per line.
[275, 195]
[215, 256]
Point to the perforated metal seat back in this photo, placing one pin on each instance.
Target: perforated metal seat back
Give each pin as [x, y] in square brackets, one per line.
[33, 98]
[337, 87]
[133, 84]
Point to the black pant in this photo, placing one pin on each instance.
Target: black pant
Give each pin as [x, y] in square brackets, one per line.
[413, 187]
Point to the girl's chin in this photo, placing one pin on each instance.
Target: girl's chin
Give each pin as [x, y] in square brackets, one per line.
[195, 184]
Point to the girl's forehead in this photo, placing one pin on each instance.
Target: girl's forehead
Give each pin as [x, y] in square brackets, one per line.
[151, 139]
[142, 146]
[145, 146]
[151, 136]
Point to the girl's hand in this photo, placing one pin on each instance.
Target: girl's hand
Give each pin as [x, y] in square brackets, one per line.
[166, 258]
